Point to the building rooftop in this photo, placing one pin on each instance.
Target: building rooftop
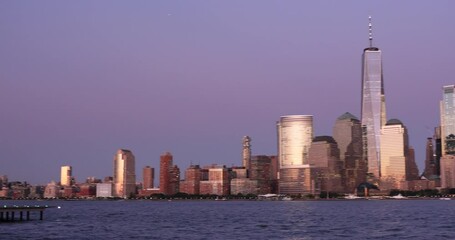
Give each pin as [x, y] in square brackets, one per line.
[394, 121]
[348, 116]
[328, 139]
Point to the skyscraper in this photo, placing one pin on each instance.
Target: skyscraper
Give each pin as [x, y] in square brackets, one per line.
[373, 105]
[169, 175]
[347, 132]
[324, 157]
[397, 157]
[246, 153]
[124, 173]
[430, 162]
[295, 134]
[447, 161]
[66, 176]
[447, 106]
[148, 174]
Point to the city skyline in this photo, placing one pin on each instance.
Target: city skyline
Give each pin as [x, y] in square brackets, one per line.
[193, 79]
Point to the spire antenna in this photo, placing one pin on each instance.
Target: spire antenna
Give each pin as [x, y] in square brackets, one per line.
[370, 31]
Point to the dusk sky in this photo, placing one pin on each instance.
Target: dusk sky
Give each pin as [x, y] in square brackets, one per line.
[81, 79]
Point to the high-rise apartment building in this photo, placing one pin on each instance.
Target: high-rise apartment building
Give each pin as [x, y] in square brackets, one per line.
[192, 182]
[347, 132]
[148, 174]
[124, 173]
[217, 181]
[373, 112]
[169, 175]
[66, 175]
[295, 134]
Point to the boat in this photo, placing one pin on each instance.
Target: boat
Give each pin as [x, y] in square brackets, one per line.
[399, 196]
[352, 197]
[445, 198]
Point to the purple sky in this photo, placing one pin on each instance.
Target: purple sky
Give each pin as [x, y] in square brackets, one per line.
[80, 79]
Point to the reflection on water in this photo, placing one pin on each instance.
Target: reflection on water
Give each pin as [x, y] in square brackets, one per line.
[387, 219]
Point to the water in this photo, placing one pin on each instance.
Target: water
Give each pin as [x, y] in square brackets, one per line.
[384, 219]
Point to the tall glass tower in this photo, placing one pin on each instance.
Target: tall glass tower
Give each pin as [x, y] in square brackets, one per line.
[124, 173]
[295, 134]
[448, 120]
[373, 106]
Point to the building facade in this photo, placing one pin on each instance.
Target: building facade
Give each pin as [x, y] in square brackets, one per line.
[447, 137]
[169, 175]
[327, 168]
[347, 132]
[397, 157]
[148, 174]
[295, 134]
[246, 152]
[192, 182]
[217, 182]
[66, 175]
[124, 174]
[430, 171]
[373, 111]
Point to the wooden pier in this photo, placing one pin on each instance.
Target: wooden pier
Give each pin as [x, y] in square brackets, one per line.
[14, 213]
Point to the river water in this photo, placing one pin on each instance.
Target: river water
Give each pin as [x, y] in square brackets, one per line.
[144, 219]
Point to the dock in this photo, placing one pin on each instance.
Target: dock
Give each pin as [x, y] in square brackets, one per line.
[20, 213]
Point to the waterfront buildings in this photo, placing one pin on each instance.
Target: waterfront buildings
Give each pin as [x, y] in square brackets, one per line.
[448, 171]
[261, 172]
[192, 182]
[104, 190]
[215, 181]
[169, 175]
[295, 134]
[347, 132]
[148, 175]
[447, 161]
[124, 174]
[246, 153]
[397, 157]
[373, 112]
[66, 176]
[326, 167]
[430, 161]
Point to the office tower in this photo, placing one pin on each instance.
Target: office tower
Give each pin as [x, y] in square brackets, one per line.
[124, 174]
[430, 163]
[324, 157]
[246, 153]
[347, 132]
[397, 157]
[66, 175]
[169, 175]
[295, 134]
[448, 171]
[261, 170]
[447, 107]
[148, 174]
[412, 171]
[447, 136]
[373, 112]
[437, 149]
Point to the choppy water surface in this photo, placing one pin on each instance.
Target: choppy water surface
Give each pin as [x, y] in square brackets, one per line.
[386, 219]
